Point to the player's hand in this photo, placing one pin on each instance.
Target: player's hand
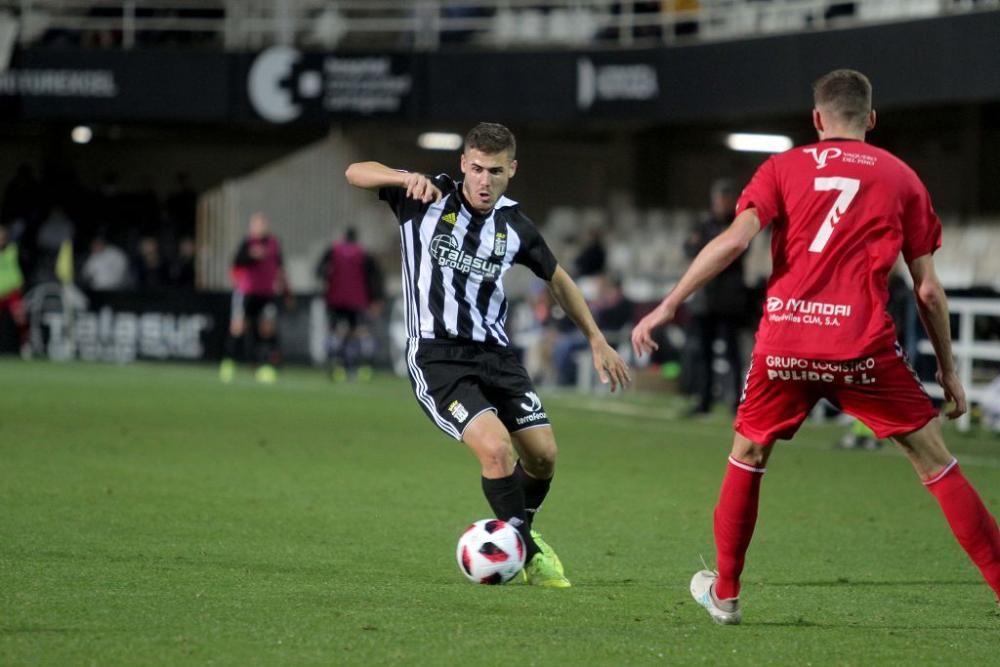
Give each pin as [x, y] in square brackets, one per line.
[421, 188]
[953, 393]
[610, 367]
[642, 333]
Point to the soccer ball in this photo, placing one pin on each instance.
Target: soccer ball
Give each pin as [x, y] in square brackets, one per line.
[490, 551]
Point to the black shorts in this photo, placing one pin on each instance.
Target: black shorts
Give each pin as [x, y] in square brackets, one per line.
[253, 307]
[351, 316]
[456, 381]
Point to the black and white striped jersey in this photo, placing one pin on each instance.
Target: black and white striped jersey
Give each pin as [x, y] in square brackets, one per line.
[454, 259]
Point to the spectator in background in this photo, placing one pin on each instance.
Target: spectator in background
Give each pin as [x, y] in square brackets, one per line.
[593, 256]
[353, 285]
[682, 12]
[259, 278]
[717, 310]
[106, 267]
[53, 232]
[11, 282]
[180, 272]
[613, 313]
[151, 270]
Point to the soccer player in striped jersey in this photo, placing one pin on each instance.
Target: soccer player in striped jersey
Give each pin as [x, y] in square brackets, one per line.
[458, 238]
[840, 211]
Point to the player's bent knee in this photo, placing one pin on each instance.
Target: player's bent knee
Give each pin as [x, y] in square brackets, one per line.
[749, 452]
[496, 457]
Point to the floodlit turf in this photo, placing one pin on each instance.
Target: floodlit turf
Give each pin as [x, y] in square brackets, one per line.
[151, 515]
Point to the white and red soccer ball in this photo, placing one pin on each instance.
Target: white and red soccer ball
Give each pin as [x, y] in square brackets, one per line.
[490, 551]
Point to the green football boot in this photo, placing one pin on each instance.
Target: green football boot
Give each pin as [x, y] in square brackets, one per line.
[545, 569]
[266, 374]
[227, 369]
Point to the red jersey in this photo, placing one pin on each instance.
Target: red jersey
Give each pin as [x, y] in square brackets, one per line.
[840, 213]
[258, 275]
[346, 277]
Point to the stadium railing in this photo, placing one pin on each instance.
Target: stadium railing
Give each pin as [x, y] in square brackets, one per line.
[968, 349]
[427, 24]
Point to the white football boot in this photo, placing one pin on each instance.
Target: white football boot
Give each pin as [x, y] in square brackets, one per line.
[723, 612]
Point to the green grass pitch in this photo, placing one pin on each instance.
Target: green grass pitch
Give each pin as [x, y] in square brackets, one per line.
[152, 516]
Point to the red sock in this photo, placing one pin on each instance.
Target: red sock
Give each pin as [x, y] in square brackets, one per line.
[735, 518]
[973, 525]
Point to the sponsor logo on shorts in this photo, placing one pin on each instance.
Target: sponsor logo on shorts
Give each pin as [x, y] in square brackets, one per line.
[533, 408]
[796, 369]
[536, 403]
[458, 411]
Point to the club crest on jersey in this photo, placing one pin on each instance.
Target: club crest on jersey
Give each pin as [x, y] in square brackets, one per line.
[821, 156]
[500, 244]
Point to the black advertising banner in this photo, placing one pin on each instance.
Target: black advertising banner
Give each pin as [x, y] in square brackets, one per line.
[283, 85]
[91, 84]
[125, 326]
[490, 85]
[954, 57]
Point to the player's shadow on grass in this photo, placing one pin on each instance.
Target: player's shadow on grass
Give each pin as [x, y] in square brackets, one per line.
[866, 626]
[844, 582]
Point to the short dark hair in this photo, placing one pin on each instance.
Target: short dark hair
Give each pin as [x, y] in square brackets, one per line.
[351, 234]
[846, 93]
[491, 138]
[724, 187]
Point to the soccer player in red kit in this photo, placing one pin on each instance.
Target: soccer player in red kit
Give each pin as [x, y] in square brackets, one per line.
[840, 212]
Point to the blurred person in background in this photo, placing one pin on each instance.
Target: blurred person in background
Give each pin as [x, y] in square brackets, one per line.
[612, 312]
[717, 311]
[106, 267]
[457, 241]
[11, 282]
[180, 272]
[353, 286]
[841, 212]
[593, 256]
[259, 279]
[55, 230]
[151, 269]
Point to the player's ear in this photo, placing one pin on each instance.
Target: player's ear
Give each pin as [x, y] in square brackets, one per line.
[463, 164]
[513, 168]
[817, 120]
[872, 117]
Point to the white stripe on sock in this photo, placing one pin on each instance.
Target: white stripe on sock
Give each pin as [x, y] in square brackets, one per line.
[744, 466]
[938, 477]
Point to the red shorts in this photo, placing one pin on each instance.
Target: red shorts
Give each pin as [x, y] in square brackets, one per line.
[13, 303]
[881, 390]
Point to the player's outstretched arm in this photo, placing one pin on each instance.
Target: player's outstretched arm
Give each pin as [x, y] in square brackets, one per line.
[932, 306]
[374, 175]
[719, 253]
[609, 365]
